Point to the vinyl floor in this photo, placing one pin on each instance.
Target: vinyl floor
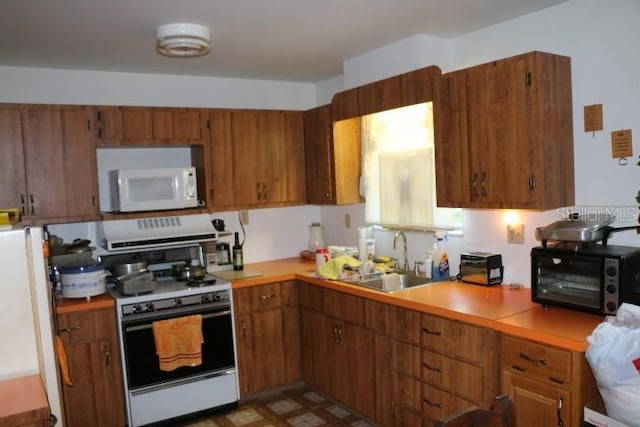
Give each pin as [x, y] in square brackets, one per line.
[295, 407]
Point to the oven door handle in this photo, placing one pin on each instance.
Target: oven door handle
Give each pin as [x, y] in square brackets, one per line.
[150, 324]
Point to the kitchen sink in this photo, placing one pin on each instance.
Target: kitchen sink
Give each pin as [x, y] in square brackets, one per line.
[392, 282]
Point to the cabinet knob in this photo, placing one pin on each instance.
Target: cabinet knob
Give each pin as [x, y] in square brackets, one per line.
[74, 328]
[266, 297]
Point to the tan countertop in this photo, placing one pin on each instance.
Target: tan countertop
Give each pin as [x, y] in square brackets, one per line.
[507, 310]
[23, 401]
[70, 305]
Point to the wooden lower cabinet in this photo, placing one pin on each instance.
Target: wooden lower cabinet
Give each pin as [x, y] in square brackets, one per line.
[441, 366]
[267, 336]
[96, 397]
[549, 385]
[337, 351]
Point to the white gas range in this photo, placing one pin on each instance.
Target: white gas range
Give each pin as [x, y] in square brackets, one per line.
[153, 394]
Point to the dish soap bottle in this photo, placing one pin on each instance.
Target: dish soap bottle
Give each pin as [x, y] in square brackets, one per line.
[440, 269]
[238, 262]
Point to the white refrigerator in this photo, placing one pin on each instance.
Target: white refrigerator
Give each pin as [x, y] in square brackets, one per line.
[26, 313]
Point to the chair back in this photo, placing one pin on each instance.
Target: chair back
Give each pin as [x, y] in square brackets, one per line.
[501, 414]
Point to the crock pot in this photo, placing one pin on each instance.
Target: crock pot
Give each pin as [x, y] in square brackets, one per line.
[82, 282]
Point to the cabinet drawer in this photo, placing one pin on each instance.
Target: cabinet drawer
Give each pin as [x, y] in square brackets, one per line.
[344, 307]
[258, 298]
[536, 359]
[455, 338]
[409, 393]
[86, 326]
[438, 404]
[462, 379]
[405, 324]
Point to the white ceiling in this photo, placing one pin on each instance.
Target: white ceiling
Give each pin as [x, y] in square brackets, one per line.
[292, 40]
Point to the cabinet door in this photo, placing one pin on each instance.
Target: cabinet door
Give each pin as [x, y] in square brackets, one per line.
[13, 193]
[319, 155]
[453, 162]
[261, 351]
[247, 182]
[60, 163]
[96, 397]
[152, 126]
[294, 158]
[537, 403]
[221, 148]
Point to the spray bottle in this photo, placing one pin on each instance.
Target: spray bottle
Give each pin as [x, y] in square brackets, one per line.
[440, 269]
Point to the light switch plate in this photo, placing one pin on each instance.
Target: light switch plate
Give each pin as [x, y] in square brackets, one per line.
[347, 220]
[515, 233]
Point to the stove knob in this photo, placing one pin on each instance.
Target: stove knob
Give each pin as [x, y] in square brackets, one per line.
[177, 302]
[612, 306]
[149, 307]
[136, 309]
[612, 271]
[206, 298]
[612, 289]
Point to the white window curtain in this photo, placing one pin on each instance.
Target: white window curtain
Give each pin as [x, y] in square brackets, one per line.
[398, 168]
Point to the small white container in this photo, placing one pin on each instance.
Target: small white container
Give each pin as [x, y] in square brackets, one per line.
[82, 282]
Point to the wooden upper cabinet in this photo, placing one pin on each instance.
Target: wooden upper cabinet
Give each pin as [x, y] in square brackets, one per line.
[257, 158]
[399, 91]
[332, 152]
[150, 126]
[59, 165]
[503, 134]
[13, 191]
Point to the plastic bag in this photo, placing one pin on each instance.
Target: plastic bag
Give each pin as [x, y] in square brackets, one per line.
[614, 357]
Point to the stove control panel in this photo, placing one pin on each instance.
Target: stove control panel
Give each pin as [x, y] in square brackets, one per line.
[206, 298]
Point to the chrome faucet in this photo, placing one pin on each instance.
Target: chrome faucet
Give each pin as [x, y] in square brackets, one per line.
[404, 239]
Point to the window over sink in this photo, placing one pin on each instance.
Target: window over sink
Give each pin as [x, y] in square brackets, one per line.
[398, 170]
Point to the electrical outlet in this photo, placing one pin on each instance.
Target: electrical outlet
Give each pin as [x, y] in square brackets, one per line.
[347, 220]
[244, 217]
[515, 233]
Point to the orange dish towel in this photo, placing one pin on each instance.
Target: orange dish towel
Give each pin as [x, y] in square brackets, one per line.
[178, 341]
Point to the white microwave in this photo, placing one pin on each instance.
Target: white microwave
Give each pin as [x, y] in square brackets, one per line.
[135, 190]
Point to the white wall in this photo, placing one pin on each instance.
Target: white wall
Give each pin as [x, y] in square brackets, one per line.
[49, 86]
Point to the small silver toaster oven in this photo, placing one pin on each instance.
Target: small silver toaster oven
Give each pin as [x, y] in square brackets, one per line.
[481, 268]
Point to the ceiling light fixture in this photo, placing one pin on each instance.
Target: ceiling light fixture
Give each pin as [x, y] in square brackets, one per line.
[182, 40]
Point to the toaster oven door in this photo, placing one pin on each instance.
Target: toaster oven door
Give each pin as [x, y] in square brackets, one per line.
[567, 280]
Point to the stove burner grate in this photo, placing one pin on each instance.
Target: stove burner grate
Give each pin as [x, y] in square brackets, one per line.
[197, 283]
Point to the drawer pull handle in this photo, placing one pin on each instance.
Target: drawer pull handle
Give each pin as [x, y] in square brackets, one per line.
[428, 402]
[107, 356]
[431, 368]
[430, 332]
[518, 368]
[560, 403]
[266, 297]
[541, 362]
[556, 380]
[75, 328]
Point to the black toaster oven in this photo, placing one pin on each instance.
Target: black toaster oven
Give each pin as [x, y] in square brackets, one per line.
[595, 278]
[481, 268]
